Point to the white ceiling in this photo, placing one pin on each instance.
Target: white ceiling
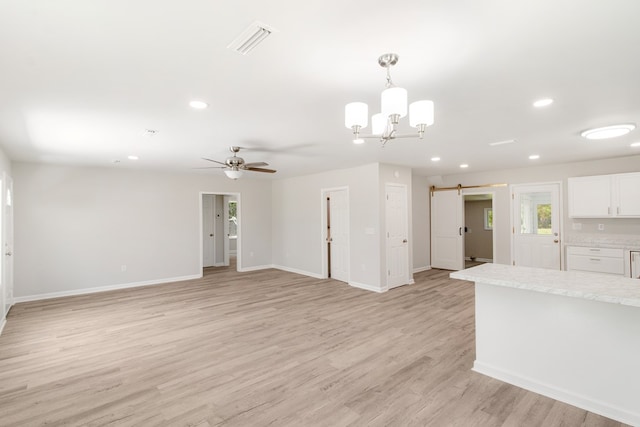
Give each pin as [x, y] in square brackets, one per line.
[80, 80]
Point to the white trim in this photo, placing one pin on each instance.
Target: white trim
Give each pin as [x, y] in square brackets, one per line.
[255, 268]
[478, 259]
[367, 287]
[85, 291]
[419, 269]
[583, 402]
[296, 271]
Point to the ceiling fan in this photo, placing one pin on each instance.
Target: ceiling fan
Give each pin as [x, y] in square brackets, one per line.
[234, 166]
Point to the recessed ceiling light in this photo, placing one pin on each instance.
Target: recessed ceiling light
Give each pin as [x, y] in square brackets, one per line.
[435, 159]
[358, 141]
[464, 165]
[635, 144]
[534, 157]
[198, 105]
[507, 141]
[608, 131]
[132, 157]
[543, 102]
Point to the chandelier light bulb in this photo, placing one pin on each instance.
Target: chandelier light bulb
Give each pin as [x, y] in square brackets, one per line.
[356, 114]
[394, 102]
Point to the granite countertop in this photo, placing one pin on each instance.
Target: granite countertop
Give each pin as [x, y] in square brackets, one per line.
[576, 284]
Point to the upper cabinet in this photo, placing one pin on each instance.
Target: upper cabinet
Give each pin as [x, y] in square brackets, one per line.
[605, 196]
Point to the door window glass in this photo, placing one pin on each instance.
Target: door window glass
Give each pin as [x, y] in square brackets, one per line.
[535, 213]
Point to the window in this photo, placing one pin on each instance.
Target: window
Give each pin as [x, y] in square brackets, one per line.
[488, 218]
[233, 219]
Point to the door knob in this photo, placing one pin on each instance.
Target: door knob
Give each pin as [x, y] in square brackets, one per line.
[555, 240]
[8, 254]
[404, 241]
[210, 235]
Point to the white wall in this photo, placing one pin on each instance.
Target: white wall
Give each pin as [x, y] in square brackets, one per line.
[549, 173]
[297, 221]
[76, 226]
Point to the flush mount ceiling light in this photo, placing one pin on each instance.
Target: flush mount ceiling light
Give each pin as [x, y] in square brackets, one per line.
[198, 105]
[634, 144]
[608, 131]
[464, 166]
[132, 157]
[543, 102]
[393, 106]
[534, 157]
[435, 159]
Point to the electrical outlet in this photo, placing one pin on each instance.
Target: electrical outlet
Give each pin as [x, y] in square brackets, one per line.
[600, 227]
[123, 268]
[576, 226]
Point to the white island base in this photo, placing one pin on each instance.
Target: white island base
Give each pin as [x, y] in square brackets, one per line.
[571, 336]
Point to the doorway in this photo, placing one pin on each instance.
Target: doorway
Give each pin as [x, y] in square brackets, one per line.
[535, 218]
[451, 230]
[220, 230]
[335, 232]
[478, 229]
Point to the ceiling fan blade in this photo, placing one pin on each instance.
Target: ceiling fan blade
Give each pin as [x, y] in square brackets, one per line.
[255, 164]
[214, 161]
[260, 170]
[212, 167]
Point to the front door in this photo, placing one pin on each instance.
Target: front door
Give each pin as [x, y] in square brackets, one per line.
[536, 225]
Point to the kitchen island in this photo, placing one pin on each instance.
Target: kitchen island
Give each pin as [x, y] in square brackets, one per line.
[569, 335]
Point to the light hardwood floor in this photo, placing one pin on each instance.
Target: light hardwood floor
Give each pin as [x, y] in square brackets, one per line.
[257, 349]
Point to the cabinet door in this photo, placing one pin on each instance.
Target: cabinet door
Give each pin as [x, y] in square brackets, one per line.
[628, 189]
[590, 196]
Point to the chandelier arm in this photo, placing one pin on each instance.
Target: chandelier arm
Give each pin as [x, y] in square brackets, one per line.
[408, 135]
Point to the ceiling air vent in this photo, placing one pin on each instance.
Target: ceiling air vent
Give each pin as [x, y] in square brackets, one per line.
[250, 38]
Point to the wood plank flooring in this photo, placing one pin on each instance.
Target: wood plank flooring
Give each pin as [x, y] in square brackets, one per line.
[265, 348]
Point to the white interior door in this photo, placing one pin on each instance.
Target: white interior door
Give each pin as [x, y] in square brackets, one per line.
[338, 208]
[447, 230]
[208, 240]
[7, 270]
[536, 225]
[397, 219]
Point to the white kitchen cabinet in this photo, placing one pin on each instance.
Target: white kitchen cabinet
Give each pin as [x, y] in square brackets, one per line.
[605, 196]
[595, 260]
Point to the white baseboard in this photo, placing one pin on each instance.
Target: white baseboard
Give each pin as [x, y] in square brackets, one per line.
[367, 287]
[104, 288]
[295, 270]
[419, 269]
[478, 259]
[255, 268]
[580, 401]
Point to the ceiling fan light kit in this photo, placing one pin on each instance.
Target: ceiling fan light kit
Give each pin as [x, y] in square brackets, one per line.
[393, 107]
[235, 166]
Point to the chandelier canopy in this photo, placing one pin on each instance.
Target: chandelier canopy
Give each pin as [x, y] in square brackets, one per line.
[393, 107]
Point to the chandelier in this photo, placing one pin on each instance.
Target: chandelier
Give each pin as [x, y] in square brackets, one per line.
[393, 107]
